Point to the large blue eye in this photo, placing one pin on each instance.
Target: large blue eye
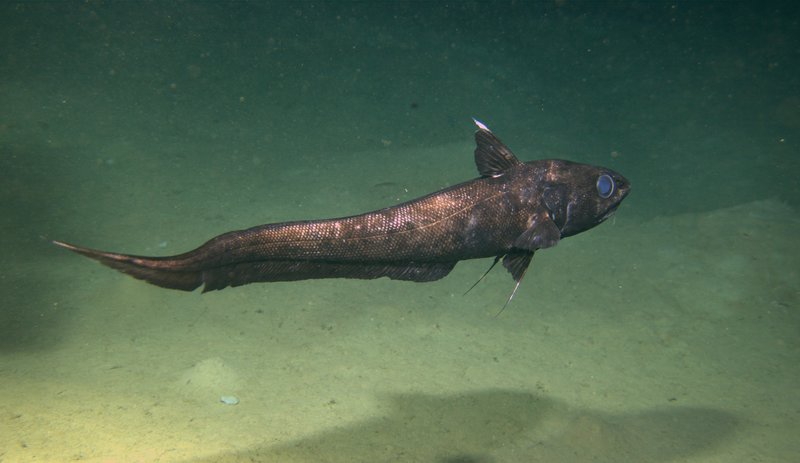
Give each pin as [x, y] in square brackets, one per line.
[605, 186]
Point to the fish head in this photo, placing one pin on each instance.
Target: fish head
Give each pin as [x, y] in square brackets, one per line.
[578, 196]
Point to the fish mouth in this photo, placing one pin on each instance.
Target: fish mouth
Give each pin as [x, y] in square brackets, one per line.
[609, 213]
[624, 189]
[613, 209]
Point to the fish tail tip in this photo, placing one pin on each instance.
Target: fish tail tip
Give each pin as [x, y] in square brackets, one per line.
[63, 244]
[164, 272]
[97, 255]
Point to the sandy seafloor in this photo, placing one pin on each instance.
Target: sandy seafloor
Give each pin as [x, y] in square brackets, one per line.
[669, 333]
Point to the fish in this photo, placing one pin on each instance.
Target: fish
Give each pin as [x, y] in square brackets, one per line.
[511, 211]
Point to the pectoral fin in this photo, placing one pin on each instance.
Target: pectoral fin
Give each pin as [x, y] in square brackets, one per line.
[542, 234]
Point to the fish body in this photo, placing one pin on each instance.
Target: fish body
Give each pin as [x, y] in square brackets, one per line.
[513, 209]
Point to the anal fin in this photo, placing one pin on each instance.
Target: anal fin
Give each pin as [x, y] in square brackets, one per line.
[293, 270]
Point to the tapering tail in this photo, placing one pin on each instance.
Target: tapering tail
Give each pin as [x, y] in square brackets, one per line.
[208, 266]
[160, 271]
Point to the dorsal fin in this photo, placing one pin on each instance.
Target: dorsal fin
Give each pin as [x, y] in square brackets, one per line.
[492, 156]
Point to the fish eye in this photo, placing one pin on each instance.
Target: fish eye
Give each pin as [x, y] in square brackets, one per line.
[605, 186]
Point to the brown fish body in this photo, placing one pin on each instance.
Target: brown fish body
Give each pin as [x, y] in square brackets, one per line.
[457, 223]
[512, 210]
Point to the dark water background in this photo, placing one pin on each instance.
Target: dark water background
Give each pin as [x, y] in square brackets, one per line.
[699, 99]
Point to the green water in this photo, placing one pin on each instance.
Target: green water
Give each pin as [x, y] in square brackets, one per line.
[669, 333]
